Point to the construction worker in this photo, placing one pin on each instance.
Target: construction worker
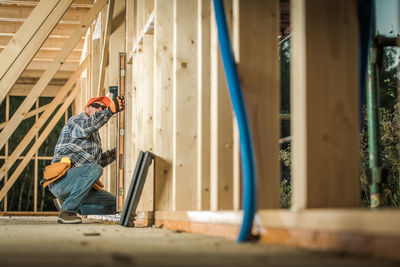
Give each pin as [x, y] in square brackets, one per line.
[78, 161]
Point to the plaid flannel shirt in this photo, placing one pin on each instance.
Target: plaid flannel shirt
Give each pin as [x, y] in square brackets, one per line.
[80, 140]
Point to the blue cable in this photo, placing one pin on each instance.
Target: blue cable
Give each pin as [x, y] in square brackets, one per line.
[246, 148]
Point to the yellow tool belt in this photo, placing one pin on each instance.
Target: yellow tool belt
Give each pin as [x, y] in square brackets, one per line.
[57, 170]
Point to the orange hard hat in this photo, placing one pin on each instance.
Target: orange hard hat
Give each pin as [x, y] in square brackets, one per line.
[106, 101]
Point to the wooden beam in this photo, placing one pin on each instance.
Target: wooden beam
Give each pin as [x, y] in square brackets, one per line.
[45, 65]
[50, 44]
[11, 73]
[29, 114]
[24, 89]
[39, 142]
[21, 13]
[325, 104]
[184, 176]
[146, 106]
[77, 3]
[163, 34]
[10, 28]
[43, 118]
[221, 128]
[258, 44]
[49, 73]
[203, 106]
[24, 34]
[105, 48]
[46, 55]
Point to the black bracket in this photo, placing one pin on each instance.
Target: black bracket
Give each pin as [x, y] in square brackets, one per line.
[135, 189]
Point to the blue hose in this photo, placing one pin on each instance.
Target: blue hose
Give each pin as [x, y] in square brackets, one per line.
[246, 148]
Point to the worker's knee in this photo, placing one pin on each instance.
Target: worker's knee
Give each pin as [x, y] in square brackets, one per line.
[96, 170]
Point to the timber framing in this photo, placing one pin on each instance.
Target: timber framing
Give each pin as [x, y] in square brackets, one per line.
[178, 107]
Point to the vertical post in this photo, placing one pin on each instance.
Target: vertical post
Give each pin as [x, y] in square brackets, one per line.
[35, 182]
[203, 105]
[184, 196]
[6, 148]
[221, 128]
[258, 66]
[116, 45]
[325, 104]
[163, 76]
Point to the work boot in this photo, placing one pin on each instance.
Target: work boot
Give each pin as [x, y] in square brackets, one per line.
[68, 217]
[58, 202]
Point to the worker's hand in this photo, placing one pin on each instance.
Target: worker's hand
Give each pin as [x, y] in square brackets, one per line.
[118, 104]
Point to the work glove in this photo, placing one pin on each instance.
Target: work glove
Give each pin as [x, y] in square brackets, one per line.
[118, 104]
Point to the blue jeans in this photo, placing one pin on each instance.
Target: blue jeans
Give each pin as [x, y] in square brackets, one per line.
[79, 196]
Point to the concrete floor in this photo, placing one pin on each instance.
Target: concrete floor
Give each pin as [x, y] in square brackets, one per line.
[40, 241]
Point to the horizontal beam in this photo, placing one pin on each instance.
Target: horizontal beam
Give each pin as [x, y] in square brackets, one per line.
[9, 28]
[45, 65]
[20, 13]
[76, 3]
[38, 73]
[50, 44]
[24, 89]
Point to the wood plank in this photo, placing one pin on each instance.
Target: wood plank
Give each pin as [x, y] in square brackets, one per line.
[21, 13]
[50, 44]
[24, 89]
[45, 65]
[10, 28]
[49, 73]
[24, 34]
[24, 57]
[105, 48]
[221, 157]
[42, 120]
[324, 104]
[258, 31]
[184, 176]
[35, 74]
[163, 34]
[146, 202]
[38, 143]
[203, 106]
[29, 114]
[76, 3]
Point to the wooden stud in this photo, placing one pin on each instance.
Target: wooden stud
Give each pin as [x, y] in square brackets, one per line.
[105, 48]
[221, 168]
[184, 177]
[49, 73]
[258, 38]
[35, 182]
[163, 41]
[6, 148]
[21, 59]
[324, 104]
[203, 106]
[147, 113]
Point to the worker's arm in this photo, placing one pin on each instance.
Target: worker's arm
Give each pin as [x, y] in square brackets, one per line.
[107, 157]
[84, 127]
